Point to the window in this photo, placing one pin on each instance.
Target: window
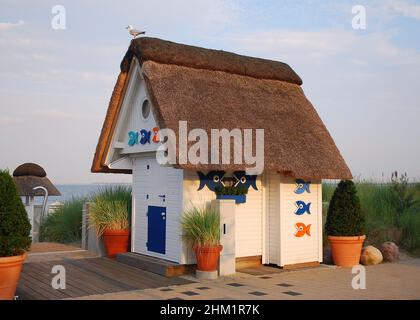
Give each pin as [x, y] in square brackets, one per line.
[145, 109]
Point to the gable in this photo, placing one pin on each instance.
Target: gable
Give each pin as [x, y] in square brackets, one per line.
[134, 126]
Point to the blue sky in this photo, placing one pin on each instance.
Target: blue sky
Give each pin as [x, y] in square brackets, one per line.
[55, 84]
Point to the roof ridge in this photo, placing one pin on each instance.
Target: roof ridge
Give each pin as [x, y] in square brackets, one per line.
[168, 52]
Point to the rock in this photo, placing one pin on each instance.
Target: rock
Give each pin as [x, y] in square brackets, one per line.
[327, 257]
[370, 256]
[390, 251]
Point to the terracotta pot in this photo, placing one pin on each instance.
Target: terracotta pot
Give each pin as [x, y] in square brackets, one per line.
[10, 268]
[116, 241]
[207, 257]
[346, 250]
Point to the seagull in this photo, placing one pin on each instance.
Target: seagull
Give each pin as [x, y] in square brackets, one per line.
[134, 32]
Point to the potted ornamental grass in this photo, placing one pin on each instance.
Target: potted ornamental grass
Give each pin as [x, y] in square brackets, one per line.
[15, 237]
[109, 214]
[201, 229]
[345, 225]
[231, 192]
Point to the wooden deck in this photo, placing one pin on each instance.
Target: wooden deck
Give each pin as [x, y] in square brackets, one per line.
[86, 276]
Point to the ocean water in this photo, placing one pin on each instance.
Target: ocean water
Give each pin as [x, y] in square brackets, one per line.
[69, 191]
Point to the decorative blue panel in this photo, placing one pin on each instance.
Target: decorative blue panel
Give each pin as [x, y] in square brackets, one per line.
[238, 198]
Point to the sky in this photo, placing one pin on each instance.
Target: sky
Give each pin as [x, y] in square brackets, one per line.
[55, 84]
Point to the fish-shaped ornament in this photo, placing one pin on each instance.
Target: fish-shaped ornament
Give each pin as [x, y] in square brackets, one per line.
[145, 136]
[212, 180]
[302, 186]
[302, 207]
[302, 229]
[155, 138]
[133, 138]
[244, 181]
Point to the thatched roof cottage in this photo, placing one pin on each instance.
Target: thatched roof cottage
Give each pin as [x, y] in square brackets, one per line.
[162, 83]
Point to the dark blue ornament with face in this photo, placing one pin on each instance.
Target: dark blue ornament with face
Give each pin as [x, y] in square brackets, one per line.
[145, 136]
[244, 181]
[302, 186]
[212, 180]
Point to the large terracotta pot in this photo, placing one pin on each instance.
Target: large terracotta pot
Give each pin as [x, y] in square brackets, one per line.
[207, 257]
[116, 241]
[346, 251]
[10, 268]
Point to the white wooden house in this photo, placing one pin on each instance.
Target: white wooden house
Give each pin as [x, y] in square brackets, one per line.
[162, 83]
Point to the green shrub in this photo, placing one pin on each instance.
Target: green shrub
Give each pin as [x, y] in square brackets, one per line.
[15, 227]
[201, 227]
[379, 202]
[65, 224]
[231, 190]
[344, 216]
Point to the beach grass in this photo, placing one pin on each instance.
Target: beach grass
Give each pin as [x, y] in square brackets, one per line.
[386, 219]
[65, 224]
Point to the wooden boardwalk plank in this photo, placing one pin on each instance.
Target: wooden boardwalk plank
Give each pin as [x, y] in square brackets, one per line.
[88, 276]
[42, 274]
[131, 275]
[82, 279]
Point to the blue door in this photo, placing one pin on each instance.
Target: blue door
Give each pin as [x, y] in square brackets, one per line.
[156, 229]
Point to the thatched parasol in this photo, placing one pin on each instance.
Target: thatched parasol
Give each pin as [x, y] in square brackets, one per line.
[30, 175]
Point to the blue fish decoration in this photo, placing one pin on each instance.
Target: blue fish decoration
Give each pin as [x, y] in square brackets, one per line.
[302, 186]
[133, 138]
[245, 181]
[212, 180]
[302, 207]
[145, 136]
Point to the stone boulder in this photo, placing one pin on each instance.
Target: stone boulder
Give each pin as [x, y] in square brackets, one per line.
[370, 256]
[390, 251]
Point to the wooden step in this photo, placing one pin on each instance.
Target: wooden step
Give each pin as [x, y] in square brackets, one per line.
[156, 265]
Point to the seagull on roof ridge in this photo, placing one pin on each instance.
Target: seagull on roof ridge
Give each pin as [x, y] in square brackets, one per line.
[134, 32]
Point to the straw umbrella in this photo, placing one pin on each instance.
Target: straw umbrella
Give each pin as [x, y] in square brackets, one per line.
[31, 181]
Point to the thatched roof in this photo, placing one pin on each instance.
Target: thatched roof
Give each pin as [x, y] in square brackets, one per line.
[29, 169]
[30, 175]
[213, 90]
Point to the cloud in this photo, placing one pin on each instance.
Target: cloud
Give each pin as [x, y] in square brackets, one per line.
[405, 8]
[4, 26]
[9, 119]
[318, 45]
[363, 85]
